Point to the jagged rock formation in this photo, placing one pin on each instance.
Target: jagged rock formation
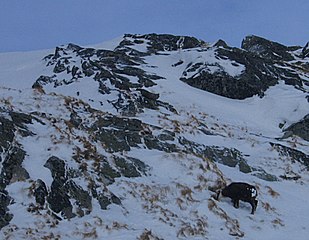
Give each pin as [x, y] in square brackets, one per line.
[12, 156]
[262, 64]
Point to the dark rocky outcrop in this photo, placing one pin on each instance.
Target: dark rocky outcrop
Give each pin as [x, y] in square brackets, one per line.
[131, 167]
[112, 70]
[40, 192]
[62, 190]
[267, 49]
[305, 51]
[226, 156]
[12, 156]
[121, 134]
[57, 198]
[264, 63]
[5, 215]
[292, 154]
[162, 42]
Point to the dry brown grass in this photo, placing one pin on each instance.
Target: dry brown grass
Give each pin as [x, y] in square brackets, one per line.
[148, 235]
[231, 224]
[277, 223]
[267, 207]
[272, 192]
[196, 229]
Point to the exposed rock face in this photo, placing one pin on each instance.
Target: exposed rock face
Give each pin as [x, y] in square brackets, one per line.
[12, 156]
[236, 73]
[121, 134]
[267, 49]
[163, 42]
[40, 192]
[5, 215]
[305, 51]
[112, 70]
[263, 64]
[228, 157]
[292, 154]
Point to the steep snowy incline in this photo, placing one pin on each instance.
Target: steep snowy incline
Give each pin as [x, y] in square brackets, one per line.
[18, 70]
[281, 104]
[132, 140]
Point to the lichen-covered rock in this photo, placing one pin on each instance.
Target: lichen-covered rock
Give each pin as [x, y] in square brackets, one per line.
[44, 80]
[153, 142]
[121, 134]
[226, 156]
[107, 174]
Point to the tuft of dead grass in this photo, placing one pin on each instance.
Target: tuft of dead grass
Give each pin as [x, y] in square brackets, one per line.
[148, 235]
[267, 207]
[272, 192]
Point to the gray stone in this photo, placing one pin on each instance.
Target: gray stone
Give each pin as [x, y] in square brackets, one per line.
[107, 198]
[292, 154]
[130, 167]
[56, 166]
[40, 192]
[300, 129]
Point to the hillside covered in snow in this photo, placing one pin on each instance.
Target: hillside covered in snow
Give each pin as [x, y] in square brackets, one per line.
[131, 139]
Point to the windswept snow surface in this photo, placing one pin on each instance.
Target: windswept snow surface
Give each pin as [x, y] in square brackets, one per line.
[173, 201]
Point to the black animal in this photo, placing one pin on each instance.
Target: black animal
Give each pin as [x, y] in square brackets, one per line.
[240, 191]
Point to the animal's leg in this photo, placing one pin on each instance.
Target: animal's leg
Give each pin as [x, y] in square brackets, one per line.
[217, 197]
[235, 203]
[253, 205]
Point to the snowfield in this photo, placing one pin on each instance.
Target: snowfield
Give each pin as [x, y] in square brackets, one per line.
[174, 200]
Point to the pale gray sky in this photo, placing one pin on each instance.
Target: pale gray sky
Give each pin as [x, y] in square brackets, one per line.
[39, 24]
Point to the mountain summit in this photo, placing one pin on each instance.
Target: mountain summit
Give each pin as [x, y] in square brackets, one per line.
[133, 140]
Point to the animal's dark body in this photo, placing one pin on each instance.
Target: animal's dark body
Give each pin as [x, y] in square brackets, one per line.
[241, 191]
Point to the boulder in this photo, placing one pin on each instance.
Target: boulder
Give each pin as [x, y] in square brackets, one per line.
[300, 128]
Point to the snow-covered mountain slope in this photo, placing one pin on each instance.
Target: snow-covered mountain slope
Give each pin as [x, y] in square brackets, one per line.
[132, 139]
